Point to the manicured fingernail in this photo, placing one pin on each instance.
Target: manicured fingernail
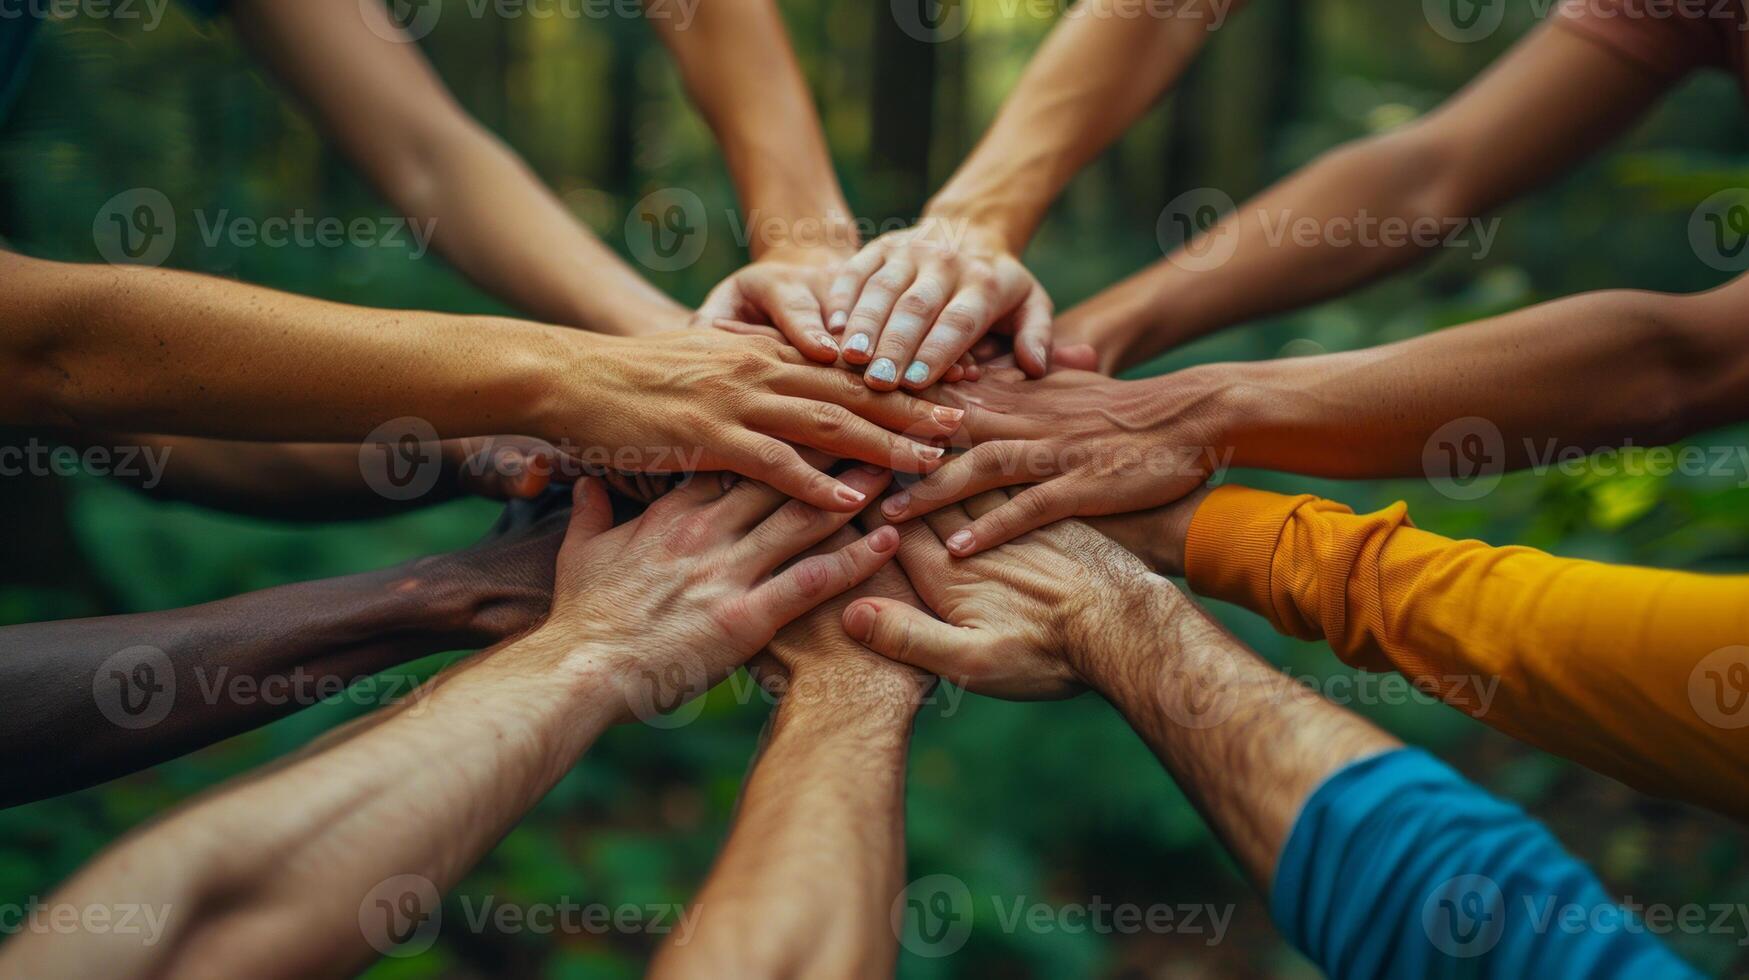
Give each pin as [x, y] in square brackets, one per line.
[859, 621]
[883, 369]
[858, 344]
[849, 495]
[917, 372]
[884, 540]
[837, 321]
[896, 504]
[949, 416]
[960, 541]
[826, 341]
[929, 452]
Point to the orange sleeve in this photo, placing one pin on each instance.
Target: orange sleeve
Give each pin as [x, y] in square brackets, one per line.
[1639, 673]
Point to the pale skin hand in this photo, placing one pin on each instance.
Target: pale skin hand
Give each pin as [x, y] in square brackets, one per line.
[378, 99]
[920, 298]
[173, 353]
[1089, 444]
[279, 873]
[1065, 609]
[1550, 103]
[806, 882]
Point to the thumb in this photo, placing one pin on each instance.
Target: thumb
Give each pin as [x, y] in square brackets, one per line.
[1076, 357]
[591, 511]
[902, 632]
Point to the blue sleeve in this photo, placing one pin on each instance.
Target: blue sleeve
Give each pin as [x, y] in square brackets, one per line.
[1399, 867]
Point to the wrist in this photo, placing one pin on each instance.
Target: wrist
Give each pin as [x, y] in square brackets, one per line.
[1136, 620]
[806, 232]
[869, 709]
[993, 224]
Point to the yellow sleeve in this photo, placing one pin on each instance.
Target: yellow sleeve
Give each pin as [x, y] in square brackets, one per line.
[1639, 673]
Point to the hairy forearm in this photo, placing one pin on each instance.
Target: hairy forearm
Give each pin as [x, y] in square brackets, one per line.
[808, 877]
[169, 352]
[1099, 69]
[1246, 743]
[1515, 389]
[90, 699]
[742, 74]
[281, 873]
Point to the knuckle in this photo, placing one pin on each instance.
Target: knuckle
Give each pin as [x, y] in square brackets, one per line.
[916, 303]
[829, 419]
[958, 320]
[774, 455]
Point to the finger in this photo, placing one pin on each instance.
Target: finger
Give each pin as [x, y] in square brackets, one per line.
[796, 527]
[591, 513]
[986, 467]
[746, 329]
[837, 430]
[989, 347]
[1033, 508]
[896, 411]
[1032, 333]
[724, 302]
[1074, 357]
[777, 464]
[796, 311]
[912, 316]
[847, 284]
[874, 308]
[960, 324]
[908, 635]
[812, 581]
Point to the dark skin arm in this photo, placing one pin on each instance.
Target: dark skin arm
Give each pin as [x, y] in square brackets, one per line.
[77, 701]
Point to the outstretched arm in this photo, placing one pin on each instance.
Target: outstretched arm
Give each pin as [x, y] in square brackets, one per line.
[806, 883]
[1376, 206]
[1457, 404]
[169, 352]
[86, 700]
[915, 300]
[377, 97]
[344, 852]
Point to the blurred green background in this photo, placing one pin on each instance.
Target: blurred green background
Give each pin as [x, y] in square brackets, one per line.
[1059, 803]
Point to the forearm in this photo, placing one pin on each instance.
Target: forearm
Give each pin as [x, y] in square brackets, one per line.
[1673, 366]
[805, 885]
[91, 699]
[284, 873]
[1096, 73]
[1359, 213]
[169, 352]
[1246, 743]
[741, 72]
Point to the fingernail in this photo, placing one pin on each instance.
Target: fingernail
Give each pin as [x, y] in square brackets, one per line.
[929, 452]
[960, 541]
[883, 369]
[837, 321]
[849, 495]
[858, 344]
[917, 372]
[884, 540]
[859, 621]
[1039, 352]
[896, 504]
[949, 416]
[825, 341]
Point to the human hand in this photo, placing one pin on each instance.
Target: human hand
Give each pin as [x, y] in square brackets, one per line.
[916, 300]
[812, 659]
[1093, 445]
[1017, 622]
[670, 603]
[1155, 536]
[709, 400]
